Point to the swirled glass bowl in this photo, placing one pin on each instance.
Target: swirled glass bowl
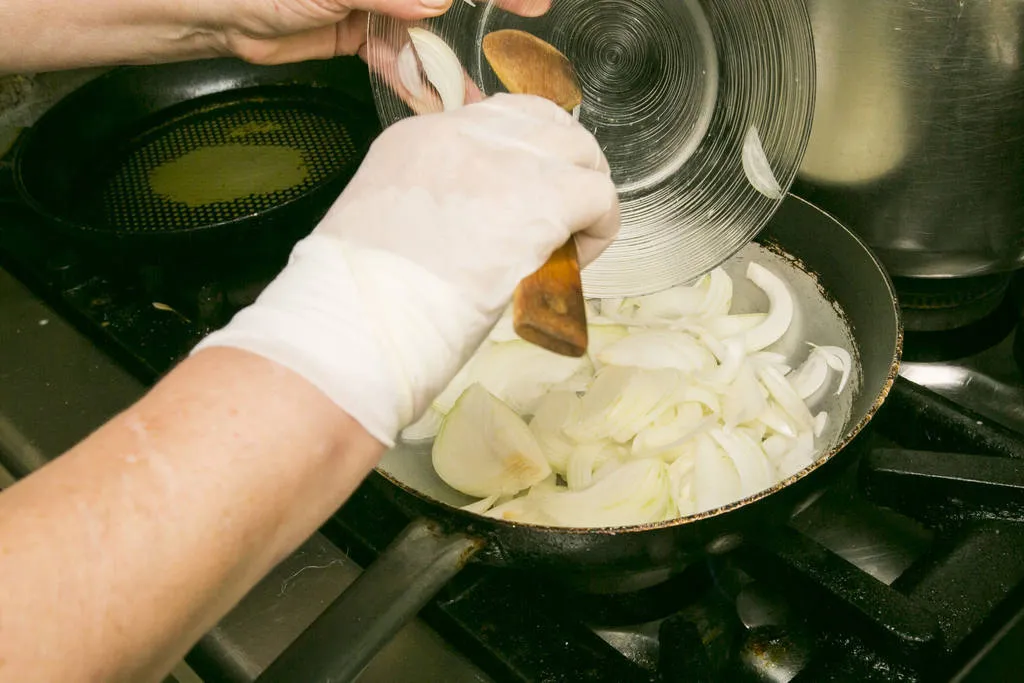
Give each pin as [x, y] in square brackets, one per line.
[671, 89]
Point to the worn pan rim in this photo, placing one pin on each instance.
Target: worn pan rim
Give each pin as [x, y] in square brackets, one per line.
[824, 458]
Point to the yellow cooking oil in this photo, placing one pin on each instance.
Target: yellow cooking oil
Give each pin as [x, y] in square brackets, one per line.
[226, 172]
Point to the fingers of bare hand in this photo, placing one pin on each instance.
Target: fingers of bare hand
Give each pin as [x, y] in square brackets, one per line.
[525, 8]
[318, 43]
[406, 9]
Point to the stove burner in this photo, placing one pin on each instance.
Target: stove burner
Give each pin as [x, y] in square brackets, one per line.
[943, 322]
[931, 305]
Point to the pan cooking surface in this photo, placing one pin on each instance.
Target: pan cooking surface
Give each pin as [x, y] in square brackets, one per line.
[214, 164]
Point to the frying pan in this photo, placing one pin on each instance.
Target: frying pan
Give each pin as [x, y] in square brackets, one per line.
[828, 269]
[181, 158]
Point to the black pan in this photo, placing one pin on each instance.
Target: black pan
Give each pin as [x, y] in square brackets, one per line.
[826, 265]
[196, 156]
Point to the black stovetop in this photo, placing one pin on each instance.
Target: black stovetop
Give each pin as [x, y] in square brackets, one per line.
[910, 568]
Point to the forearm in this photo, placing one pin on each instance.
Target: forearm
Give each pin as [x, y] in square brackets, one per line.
[124, 551]
[44, 35]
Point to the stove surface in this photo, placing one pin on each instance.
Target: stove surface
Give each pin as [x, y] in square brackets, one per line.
[911, 567]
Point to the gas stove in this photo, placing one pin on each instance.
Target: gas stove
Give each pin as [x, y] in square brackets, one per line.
[911, 567]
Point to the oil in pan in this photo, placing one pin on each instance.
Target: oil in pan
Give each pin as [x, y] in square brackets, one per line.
[222, 162]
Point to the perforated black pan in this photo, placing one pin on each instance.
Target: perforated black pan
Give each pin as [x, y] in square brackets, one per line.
[145, 159]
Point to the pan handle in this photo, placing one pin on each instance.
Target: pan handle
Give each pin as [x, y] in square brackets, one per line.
[342, 641]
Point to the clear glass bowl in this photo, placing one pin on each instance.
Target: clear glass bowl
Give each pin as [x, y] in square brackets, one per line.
[671, 89]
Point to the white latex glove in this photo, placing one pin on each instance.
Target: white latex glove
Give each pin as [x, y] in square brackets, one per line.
[410, 269]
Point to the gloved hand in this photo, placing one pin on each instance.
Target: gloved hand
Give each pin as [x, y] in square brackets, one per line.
[413, 265]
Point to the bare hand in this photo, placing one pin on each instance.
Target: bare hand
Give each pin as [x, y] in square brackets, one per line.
[279, 31]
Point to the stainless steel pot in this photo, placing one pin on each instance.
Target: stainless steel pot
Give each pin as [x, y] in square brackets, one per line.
[918, 138]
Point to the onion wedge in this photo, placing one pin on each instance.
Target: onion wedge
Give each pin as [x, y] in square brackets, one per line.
[658, 349]
[442, 66]
[485, 449]
[839, 360]
[555, 412]
[622, 401]
[748, 459]
[638, 492]
[756, 167]
[715, 480]
[810, 376]
[780, 313]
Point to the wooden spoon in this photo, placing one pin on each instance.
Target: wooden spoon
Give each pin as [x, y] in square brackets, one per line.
[548, 307]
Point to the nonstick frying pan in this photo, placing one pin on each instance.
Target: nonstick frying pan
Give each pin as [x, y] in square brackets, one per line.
[829, 270]
[176, 158]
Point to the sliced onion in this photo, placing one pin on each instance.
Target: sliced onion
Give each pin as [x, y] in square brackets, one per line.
[748, 459]
[698, 394]
[606, 468]
[715, 479]
[755, 430]
[658, 349]
[622, 401]
[784, 395]
[726, 326]
[638, 492]
[776, 447]
[730, 362]
[481, 506]
[555, 412]
[743, 400]
[810, 376]
[484, 448]
[799, 456]
[442, 66]
[776, 420]
[657, 438]
[601, 336]
[680, 476]
[680, 382]
[780, 303]
[409, 72]
[771, 358]
[424, 429]
[839, 360]
[719, 297]
[820, 423]
[756, 167]
[585, 459]
[615, 309]
[536, 372]
[670, 304]
[522, 510]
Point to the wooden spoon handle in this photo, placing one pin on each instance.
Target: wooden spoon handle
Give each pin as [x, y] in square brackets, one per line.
[548, 307]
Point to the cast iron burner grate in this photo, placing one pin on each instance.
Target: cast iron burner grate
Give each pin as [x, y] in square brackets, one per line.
[817, 617]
